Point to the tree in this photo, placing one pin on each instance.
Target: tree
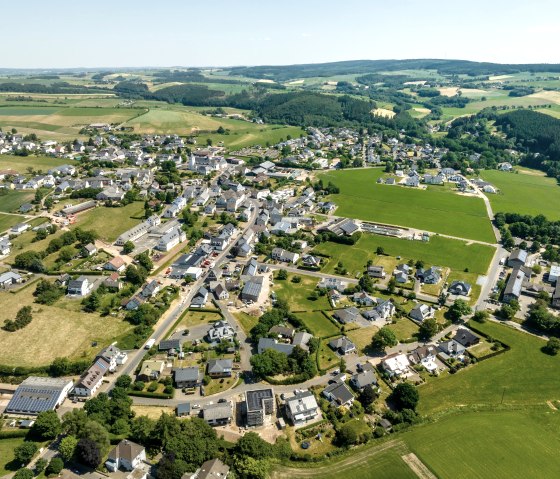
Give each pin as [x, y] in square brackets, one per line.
[367, 396]
[282, 275]
[145, 261]
[366, 283]
[135, 275]
[251, 445]
[459, 309]
[128, 247]
[405, 396]
[480, 316]
[40, 465]
[428, 328]
[55, 466]
[141, 429]
[171, 468]
[250, 468]
[74, 422]
[124, 381]
[384, 338]
[347, 435]
[47, 425]
[25, 452]
[552, 346]
[380, 251]
[23, 473]
[96, 433]
[91, 303]
[67, 447]
[88, 452]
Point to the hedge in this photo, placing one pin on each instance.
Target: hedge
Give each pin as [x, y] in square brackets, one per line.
[13, 434]
[146, 394]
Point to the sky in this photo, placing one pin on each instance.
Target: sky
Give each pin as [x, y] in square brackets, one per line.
[125, 33]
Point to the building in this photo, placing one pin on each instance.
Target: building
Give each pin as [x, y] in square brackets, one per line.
[259, 406]
[183, 409]
[466, 338]
[115, 264]
[186, 377]
[554, 273]
[342, 345]
[302, 407]
[79, 287]
[9, 278]
[220, 330]
[396, 365]
[346, 315]
[459, 288]
[151, 370]
[37, 394]
[213, 469]
[363, 379]
[219, 368]
[125, 455]
[421, 312]
[200, 298]
[284, 256]
[556, 296]
[517, 258]
[252, 289]
[376, 271]
[269, 343]
[218, 414]
[339, 394]
[91, 380]
[514, 286]
[171, 239]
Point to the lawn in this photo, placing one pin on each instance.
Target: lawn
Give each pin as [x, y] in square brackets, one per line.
[435, 209]
[439, 251]
[404, 329]
[326, 356]
[53, 332]
[522, 376]
[247, 321]
[7, 221]
[109, 223]
[509, 444]
[194, 318]
[12, 200]
[318, 324]
[7, 447]
[22, 163]
[529, 193]
[297, 294]
[361, 337]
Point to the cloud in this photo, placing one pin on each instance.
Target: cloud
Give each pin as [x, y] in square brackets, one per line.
[306, 35]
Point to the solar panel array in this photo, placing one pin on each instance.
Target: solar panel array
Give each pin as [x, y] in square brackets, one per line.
[33, 399]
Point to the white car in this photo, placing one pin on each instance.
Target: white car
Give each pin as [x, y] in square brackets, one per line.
[195, 406]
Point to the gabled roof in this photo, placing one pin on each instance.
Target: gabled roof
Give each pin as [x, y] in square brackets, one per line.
[126, 450]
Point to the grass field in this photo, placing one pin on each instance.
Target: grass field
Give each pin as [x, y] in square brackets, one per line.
[194, 318]
[498, 444]
[37, 163]
[7, 221]
[521, 376]
[109, 223]
[247, 321]
[361, 337]
[439, 251]
[529, 193]
[53, 332]
[7, 447]
[318, 324]
[436, 210]
[12, 200]
[404, 329]
[297, 294]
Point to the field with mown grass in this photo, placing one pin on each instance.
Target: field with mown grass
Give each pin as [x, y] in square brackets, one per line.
[7, 221]
[318, 324]
[528, 192]
[433, 209]
[110, 223]
[21, 164]
[297, 294]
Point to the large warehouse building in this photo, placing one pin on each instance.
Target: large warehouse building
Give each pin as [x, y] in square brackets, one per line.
[38, 394]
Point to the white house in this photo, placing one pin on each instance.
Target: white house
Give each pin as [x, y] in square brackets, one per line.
[126, 455]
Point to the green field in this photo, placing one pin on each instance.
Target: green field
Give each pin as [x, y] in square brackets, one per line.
[21, 164]
[529, 193]
[498, 444]
[435, 209]
[522, 376]
[7, 221]
[12, 200]
[318, 324]
[439, 251]
[109, 223]
[297, 294]
[7, 447]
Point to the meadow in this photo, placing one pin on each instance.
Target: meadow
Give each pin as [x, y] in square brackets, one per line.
[522, 376]
[318, 324]
[109, 223]
[439, 251]
[11, 200]
[528, 192]
[297, 294]
[54, 332]
[22, 164]
[7, 221]
[7, 447]
[436, 210]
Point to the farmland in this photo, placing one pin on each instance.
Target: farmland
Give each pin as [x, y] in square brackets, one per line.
[109, 223]
[439, 251]
[528, 193]
[318, 324]
[61, 334]
[21, 164]
[7, 447]
[435, 209]
[7, 221]
[519, 377]
[12, 200]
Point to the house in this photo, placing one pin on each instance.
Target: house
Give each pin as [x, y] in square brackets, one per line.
[363, 299]
[151, 289]
[554, 273]
[9, 278]
[465, 337]
[91, 380]
[115, 264]
[19, 228]
[366, 378]
[126, 455]
[376, 271]
[183, 409]
[383, 311]
[220, 330]
[284, 256]
[424, 355]
[219, 368]
[186, 377]
[311, 261]
[401, 273]
[220, 292]
[200, 298]
[342, 345]
[150, 370]
[514, 286]
[213, 469]
[332, 283]
[89, 250]
[269, 343]
[339, 394]
[396, 364]
[451, 348]
[556, 296]
[421, 312]
[302, 407]
[171, 239]
[517, 258]
[79, 287]
[112, 282]
[252, 289]
[346, 315]
[37, 394]
[259, 406]
[282, 331]
[428, 276]
[460, 288]
[505, 166]
[301, 339]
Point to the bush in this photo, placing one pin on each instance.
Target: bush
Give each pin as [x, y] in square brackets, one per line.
[55, 467]
[25, 452]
